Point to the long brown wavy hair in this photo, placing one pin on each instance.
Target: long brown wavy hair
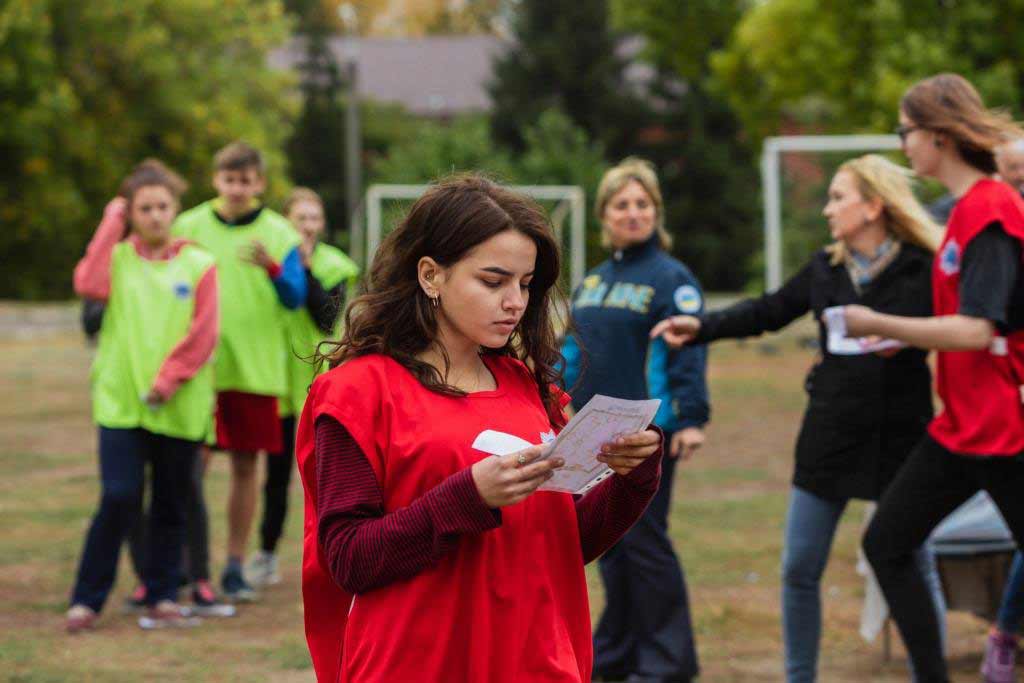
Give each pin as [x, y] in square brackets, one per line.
[393, 316]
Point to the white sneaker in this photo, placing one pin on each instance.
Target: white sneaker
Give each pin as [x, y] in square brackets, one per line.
[261, 571]
[167, 614]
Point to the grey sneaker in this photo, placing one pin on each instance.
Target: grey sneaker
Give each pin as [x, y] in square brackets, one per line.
[262, 570]
[234, 588]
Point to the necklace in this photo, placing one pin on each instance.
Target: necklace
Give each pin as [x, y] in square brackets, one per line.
[477, 376]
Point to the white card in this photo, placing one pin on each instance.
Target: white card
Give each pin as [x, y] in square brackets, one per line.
[499, 443]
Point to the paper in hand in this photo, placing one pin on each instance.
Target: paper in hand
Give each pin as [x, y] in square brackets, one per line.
[602, 420]
[841, 345]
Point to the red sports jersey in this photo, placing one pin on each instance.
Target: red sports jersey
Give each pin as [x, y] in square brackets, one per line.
[507, 605]
[980, 390]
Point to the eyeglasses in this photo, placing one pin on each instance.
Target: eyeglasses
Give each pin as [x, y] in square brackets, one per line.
[904, 131]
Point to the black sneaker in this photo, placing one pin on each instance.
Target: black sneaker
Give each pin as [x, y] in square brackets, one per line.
[205, 602]
[234, 587]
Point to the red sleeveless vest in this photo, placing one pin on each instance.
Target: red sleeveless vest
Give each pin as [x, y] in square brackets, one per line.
[980, 390]
[505, 606]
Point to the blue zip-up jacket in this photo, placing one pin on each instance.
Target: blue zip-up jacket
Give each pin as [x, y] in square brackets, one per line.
[614, 310]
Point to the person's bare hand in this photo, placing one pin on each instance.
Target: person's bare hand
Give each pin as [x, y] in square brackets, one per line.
[511, 478]
[676, 330]
[256, 254]
[153, 399]
[686, 442]
[625, 453]
[118, 206]
[859, 320]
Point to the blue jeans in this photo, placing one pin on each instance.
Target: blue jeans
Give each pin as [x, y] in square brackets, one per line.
[1011, 609]
[810, 526]
[123, 456]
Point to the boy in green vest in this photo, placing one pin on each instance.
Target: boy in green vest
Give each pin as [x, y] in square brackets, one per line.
[329, 273]
[261, 277]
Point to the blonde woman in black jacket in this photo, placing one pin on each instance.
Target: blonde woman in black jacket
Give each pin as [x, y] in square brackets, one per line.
[865, 412]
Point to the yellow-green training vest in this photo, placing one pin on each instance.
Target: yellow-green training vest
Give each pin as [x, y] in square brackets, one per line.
[330, 266]
[150, 310]
[251, 356]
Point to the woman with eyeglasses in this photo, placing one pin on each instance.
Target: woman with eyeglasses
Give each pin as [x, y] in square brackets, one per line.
[976, 442]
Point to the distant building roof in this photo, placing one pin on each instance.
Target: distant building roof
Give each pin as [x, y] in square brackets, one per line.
[430, 76]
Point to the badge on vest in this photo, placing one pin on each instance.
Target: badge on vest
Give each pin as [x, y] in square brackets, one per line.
[687, 299]
[949, 259]
[182, 290]
[999, 347]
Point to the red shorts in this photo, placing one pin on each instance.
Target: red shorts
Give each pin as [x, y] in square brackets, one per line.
[247, 422]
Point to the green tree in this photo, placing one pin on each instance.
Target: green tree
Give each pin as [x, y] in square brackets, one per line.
[564, 57]
[842, 66]
[706, 167]
[88, 88]
[316, 154]
[438, 149]
[316, 150]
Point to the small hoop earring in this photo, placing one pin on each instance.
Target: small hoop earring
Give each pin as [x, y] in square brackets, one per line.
[435, 301]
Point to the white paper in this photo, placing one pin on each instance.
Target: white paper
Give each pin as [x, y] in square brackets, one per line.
[842, 345]
[600, 421]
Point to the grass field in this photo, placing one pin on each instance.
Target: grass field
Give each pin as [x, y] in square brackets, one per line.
[726, 522]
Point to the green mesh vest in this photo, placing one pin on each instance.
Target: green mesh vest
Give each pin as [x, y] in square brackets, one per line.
[330, 266]
[251, 355]
[150, 310]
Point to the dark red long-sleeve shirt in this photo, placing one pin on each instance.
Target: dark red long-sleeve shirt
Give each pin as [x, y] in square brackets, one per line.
[367, 548]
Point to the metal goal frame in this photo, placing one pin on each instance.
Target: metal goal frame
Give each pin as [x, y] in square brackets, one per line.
[569, 197]
[771, 184]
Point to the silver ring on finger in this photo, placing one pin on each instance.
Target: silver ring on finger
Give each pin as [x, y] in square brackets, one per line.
[520, 460]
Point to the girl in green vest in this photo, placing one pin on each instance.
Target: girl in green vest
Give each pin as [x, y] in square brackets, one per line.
[330, 275]
[152, 387]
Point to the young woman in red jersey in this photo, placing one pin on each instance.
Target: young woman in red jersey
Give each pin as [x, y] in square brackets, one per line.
[427, 560]
[977, 440]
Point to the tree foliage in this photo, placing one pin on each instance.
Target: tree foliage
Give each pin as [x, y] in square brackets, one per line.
[706, 166]
[842, 66]
[564, 57]
[88, 88]
[556, 153]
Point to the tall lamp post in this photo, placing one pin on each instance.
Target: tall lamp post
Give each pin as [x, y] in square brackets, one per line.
[353, 139]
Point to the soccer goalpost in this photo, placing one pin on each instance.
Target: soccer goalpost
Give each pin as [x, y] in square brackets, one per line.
[771, 184]
[569, 200]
